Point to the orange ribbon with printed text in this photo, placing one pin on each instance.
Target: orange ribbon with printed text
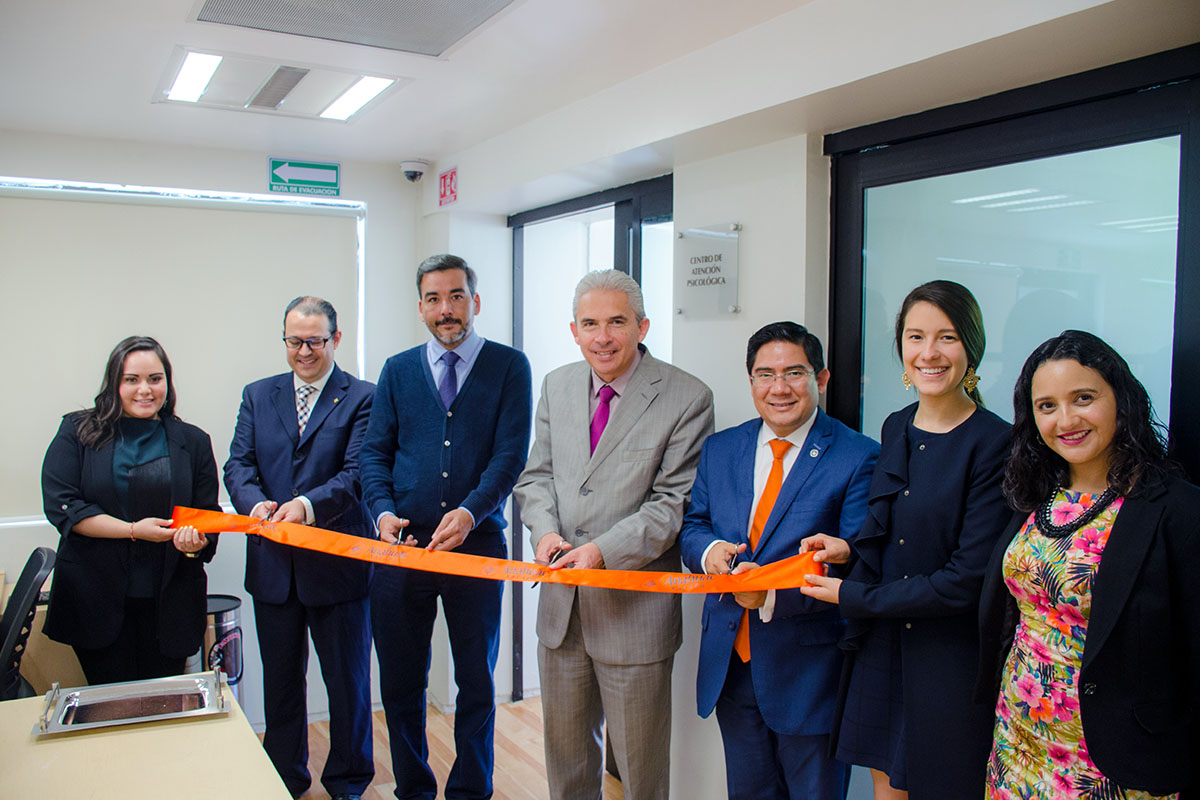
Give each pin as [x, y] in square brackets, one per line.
[786, 574]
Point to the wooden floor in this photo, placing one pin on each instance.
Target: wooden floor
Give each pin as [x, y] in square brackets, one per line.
[520, 769]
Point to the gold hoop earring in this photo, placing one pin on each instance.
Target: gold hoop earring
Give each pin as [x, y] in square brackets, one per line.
[907, 381]
[970, 380]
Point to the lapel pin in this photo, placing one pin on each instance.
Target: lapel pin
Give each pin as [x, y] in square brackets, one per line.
[814, 453]
[336, 399]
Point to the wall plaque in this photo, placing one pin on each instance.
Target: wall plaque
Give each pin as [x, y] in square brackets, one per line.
[706, 271]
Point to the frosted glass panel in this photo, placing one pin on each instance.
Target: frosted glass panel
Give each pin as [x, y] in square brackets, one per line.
[658, 286]
[1085, 240]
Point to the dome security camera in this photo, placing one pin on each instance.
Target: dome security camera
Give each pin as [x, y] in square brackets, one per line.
[414, 169]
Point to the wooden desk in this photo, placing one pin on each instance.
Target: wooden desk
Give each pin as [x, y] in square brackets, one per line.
[202, 758]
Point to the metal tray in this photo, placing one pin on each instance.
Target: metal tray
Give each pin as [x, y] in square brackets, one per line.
[109, 704]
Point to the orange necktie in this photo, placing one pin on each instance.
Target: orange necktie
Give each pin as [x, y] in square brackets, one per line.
[762, 513]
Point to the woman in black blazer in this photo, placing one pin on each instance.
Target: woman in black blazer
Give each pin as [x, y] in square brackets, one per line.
[905, 706]
[1090, 616]
[129, 591]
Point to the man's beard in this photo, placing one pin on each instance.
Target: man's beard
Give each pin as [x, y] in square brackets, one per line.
[448, 339]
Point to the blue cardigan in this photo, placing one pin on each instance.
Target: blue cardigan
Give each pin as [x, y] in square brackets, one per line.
[420, 460]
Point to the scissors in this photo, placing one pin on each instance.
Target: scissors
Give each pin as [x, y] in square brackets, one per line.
[554, 556]
[732, 562]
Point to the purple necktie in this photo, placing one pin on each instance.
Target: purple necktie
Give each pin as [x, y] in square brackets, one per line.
[448, 388]
[600, 418]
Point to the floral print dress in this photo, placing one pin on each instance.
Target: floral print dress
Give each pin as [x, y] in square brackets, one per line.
[1039, 750]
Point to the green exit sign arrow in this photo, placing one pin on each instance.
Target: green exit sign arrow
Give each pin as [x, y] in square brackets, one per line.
[291, 176]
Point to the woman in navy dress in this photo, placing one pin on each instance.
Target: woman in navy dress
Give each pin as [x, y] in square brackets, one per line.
[912, 580]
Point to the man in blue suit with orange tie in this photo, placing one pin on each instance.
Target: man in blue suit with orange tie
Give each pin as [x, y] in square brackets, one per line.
[769, 662]
[294, 458]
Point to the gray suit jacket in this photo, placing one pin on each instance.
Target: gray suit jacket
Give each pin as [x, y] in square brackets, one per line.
[627, 498]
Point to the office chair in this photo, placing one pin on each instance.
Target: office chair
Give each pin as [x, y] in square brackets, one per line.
[18, 622]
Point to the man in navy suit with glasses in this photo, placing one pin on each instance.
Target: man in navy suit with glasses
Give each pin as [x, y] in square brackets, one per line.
[294, 458]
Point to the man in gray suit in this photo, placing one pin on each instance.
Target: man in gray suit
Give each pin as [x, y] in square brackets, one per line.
[617, 442]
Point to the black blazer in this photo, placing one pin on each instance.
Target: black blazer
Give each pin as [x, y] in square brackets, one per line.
[87, 597]
[1139, 692]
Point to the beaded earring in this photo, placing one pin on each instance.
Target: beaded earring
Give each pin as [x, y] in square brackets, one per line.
[907, 381]
[970, 380]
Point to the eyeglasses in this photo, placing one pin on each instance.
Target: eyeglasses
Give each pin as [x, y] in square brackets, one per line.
[793, 377]
[292, 343]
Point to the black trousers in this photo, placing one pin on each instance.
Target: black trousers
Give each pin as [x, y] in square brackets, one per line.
[134, 655]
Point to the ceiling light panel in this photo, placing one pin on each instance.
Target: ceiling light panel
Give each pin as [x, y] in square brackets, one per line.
[362, 92]
[428, 27]
[193, 77]
[248, 83]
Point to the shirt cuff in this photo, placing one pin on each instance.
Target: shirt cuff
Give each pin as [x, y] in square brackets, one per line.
[383, 514]
[309, 517]
[767, 610]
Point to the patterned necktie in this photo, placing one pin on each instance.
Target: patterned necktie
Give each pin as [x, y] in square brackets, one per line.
[448, 388]
[302, 407]
[603, 409]
[762, 513]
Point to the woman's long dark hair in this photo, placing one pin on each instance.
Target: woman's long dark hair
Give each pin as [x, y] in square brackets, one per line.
[1139, 452]
[959, 305]
[97, 426]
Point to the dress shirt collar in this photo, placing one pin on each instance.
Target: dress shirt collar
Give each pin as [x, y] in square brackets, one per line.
[467, 349]
[796, 437]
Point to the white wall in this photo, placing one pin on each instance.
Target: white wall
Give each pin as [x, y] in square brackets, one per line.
[390, 253]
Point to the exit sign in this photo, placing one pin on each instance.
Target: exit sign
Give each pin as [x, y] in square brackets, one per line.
[291, 176]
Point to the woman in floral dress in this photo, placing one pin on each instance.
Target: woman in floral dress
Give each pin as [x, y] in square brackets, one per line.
[1091, 626]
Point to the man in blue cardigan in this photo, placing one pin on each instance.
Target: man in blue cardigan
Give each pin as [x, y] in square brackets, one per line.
[448, 437]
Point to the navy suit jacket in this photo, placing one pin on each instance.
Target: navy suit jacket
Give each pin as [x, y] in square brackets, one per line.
[796, 662]
[269, 460]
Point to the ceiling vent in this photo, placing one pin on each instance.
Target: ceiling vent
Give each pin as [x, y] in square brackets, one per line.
[427, 27]
[277, 87]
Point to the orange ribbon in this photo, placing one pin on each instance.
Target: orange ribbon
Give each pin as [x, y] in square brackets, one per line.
[786, 574]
